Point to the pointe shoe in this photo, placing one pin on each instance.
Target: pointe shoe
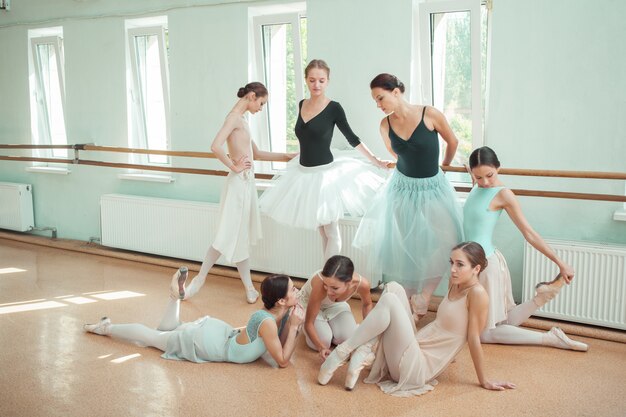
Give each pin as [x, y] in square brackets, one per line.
[546, 291]
[336, 358]
[419, 306]
[564, 342]
[252, 295]
[362, 357]
[103, 327]
[177, 287]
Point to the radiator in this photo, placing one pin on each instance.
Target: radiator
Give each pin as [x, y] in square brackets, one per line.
[16, 206]
[598, 293]
[186, 229]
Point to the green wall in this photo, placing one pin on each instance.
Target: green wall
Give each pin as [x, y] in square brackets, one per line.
[556, 99]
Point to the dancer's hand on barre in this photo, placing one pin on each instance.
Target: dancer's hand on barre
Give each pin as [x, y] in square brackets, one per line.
[498, 385]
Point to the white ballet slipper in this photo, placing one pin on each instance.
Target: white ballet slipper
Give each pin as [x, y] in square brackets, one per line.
[546, 291]
[561, 341]
[177, 286]
[337, 357]
[361, 357]
[103, 327]
[252, 295]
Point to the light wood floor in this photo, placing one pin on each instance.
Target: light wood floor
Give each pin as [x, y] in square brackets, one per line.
[50, 367]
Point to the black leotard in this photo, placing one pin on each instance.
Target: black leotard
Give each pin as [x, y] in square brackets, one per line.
[316, 134]
[418, 156]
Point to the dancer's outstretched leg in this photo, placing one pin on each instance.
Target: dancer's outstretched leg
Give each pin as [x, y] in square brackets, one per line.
[244, 272]
[421, 300]
[210, 258]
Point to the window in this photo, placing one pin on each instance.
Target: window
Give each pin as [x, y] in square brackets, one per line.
[148, 80]
[47, 86]
[453, 52]
[280, 57]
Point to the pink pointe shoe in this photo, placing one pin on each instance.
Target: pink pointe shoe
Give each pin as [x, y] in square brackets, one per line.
[561, 341]
[546, 291]
[337, 357]
[251, 295]
[361, 357]
[103, 327]
[419, 306]
[177, 287]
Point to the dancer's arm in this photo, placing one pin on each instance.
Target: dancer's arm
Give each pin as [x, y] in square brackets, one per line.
[478, 306]
[509, 202]
[280, 353]
[217, 147]
[366, 297]
[312, 309]
[296, 317]
[271, 156]
[445, 131]
[384, 134]
[380, 163]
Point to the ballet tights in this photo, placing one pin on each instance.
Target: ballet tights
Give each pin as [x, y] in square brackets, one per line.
[508, 333]
[331, 239]
[335, 331]
[210, 258]
[145, 336]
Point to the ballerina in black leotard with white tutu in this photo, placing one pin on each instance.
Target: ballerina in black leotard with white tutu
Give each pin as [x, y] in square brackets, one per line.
[318, 191]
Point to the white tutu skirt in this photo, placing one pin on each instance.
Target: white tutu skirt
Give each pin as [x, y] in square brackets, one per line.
[496, 279]
[409, 230]
[309, 197]
[240, 222]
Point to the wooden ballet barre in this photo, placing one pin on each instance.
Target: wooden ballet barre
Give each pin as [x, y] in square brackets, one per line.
[4, 146]
[550, 173]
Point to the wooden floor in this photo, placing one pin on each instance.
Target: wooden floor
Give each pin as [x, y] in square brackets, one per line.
[50, 367]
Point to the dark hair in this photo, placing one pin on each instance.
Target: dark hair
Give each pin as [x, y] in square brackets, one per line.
[484, 156]
[340, 267]
[273, 288]
[474, 252]
[256, 87]
[387, 82]
[317, 63]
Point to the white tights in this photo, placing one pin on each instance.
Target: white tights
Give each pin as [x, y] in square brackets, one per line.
[145, 336]
[335, 331]
[331, 239]
[391, 319]
[508, 333]
[210, 258]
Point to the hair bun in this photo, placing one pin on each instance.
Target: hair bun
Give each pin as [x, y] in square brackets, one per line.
[242, 92]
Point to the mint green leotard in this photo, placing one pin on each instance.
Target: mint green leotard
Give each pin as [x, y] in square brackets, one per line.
[478, 221]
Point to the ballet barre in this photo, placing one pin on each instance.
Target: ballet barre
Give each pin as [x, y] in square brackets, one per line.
[77, 148]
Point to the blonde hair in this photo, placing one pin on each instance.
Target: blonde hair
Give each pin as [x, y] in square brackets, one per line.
[317, 63]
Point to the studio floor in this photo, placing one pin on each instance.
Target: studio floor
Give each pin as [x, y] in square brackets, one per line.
[51, 367]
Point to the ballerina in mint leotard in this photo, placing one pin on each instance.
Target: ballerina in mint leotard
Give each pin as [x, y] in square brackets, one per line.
[480, 213]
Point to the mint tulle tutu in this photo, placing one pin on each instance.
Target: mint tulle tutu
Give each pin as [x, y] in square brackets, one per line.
[409, 230]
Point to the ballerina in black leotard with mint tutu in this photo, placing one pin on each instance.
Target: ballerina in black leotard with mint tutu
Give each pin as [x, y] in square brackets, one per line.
[316, 192]
[412, 225]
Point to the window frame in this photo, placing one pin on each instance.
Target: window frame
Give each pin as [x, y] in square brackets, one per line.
[44, 133]
[262, 124]
[138, 125]
[425, 77]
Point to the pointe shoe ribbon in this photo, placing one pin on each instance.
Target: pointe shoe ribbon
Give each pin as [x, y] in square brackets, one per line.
[546, 291]
[362, 357]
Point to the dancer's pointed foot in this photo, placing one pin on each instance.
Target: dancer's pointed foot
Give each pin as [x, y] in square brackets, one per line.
[337, 357]
[419, 306]
[560, 340]
[177, 287]
[546, 291]
[362, 357]
[252, 295]
[103, 327]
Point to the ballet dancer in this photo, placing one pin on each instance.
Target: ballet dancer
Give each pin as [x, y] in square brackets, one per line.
[316, 193]
[481, 211]
[239, 224]
[407, 362]
[272, 329]
[410, 227]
